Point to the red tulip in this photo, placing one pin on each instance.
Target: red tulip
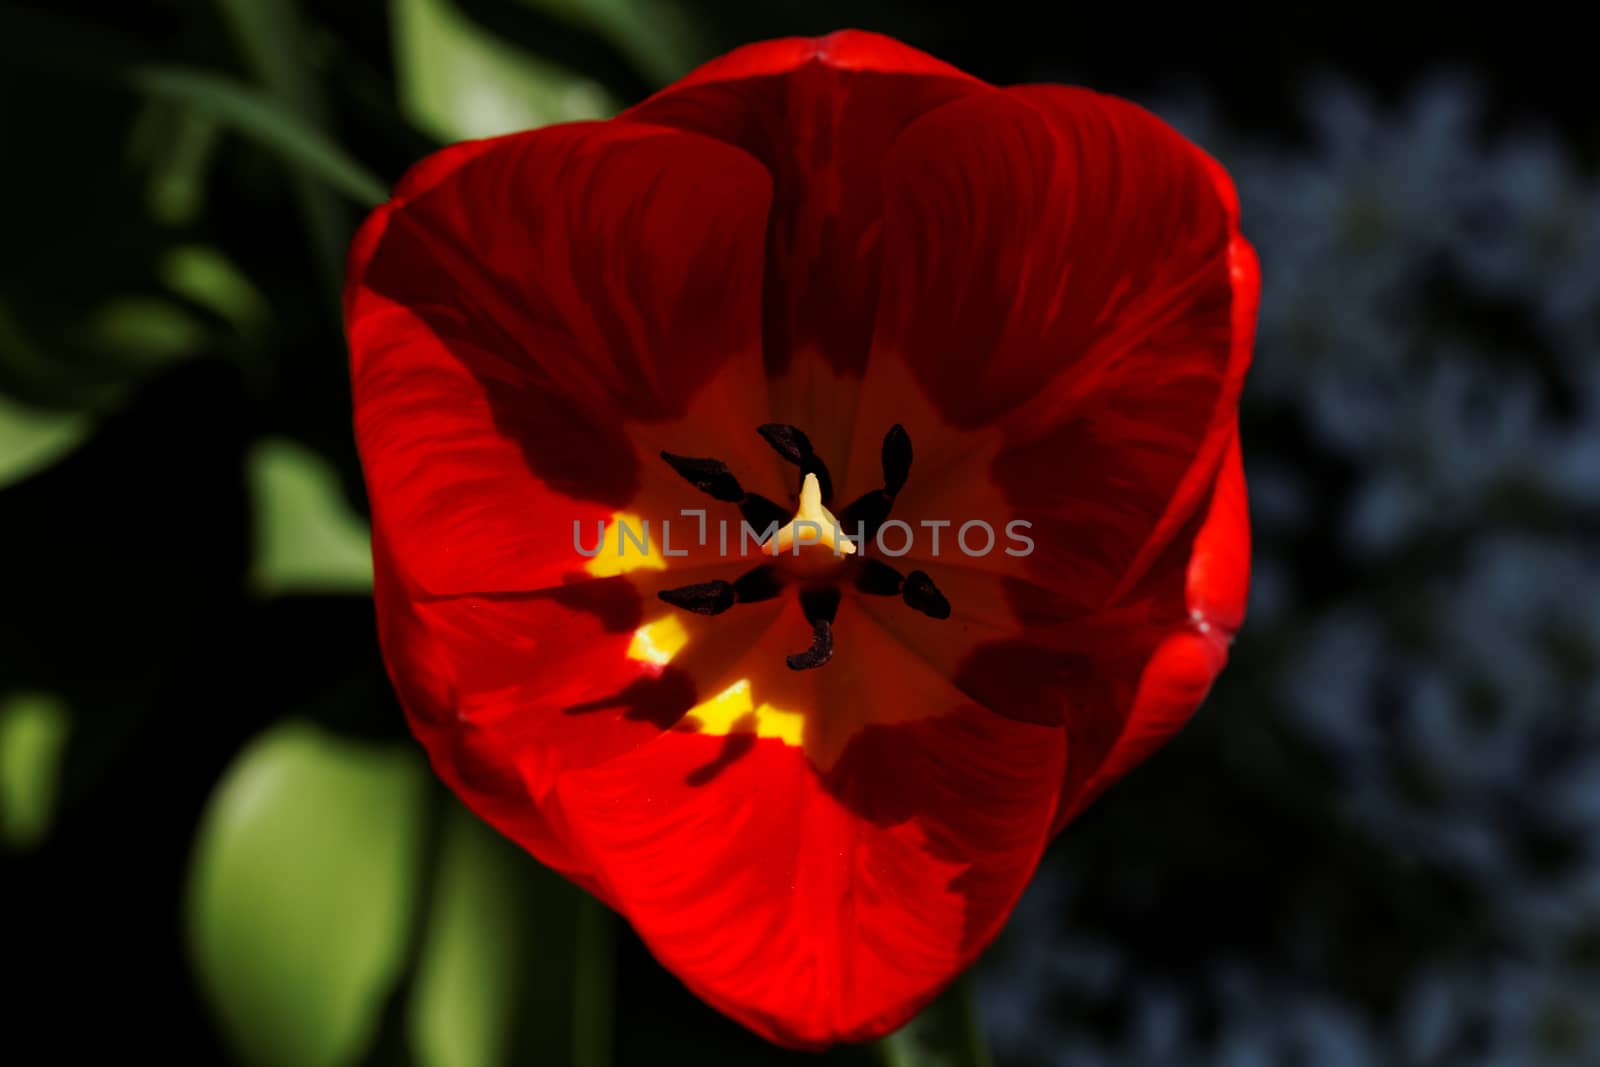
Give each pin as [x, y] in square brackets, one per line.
[815, 783]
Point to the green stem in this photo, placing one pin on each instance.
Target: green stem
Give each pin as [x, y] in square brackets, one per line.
[947, 1033]
[592, 981]
[272, 40]
[258, 116]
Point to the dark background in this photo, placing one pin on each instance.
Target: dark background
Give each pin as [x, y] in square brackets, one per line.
[1378, 843]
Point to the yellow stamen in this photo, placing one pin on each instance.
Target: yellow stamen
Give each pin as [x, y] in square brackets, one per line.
[812, 525]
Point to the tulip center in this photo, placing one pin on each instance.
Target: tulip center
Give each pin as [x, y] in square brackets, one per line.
[813, 526]
[817, 551]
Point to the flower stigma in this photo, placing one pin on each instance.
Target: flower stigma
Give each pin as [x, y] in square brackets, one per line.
[813, 524]
[818, 577]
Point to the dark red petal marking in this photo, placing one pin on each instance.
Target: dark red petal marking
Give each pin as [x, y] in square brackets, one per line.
[1057, 265]
[505, 320]
[819, 115]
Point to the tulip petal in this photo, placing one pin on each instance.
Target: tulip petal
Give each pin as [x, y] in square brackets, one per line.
[1043, 290]
[1180, 670]
[819, 907]
[819, 113]
[518, 305]
[1057, 265]
[507, 691]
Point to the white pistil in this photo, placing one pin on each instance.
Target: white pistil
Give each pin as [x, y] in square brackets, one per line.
[812, 526]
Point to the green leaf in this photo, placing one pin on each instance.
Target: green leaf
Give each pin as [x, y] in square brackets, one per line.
[465, 1000]
[459, 81]
[176, 145]
[301, 893]
[32, 438]
[945, 1034]
[517, 965]
[210, 279]
[97, 356]
[308, 540]
[145, 332]
[269, 34]
[271, 123]
[33, 738]
[657, 35]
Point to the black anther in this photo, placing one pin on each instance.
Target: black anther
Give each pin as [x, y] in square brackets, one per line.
[792, 444]
[758, 584]
[710, 476]
[702, 598]
[876, 578]
[820, 652]
[896, 460]
[762, 513]
[922, 595]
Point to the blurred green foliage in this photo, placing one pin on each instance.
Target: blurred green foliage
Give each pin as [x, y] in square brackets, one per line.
[185, 554]
[458, 81]
[301, 895]
[471, 977]
[307, 538]
[33, 734]
[33, 438]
